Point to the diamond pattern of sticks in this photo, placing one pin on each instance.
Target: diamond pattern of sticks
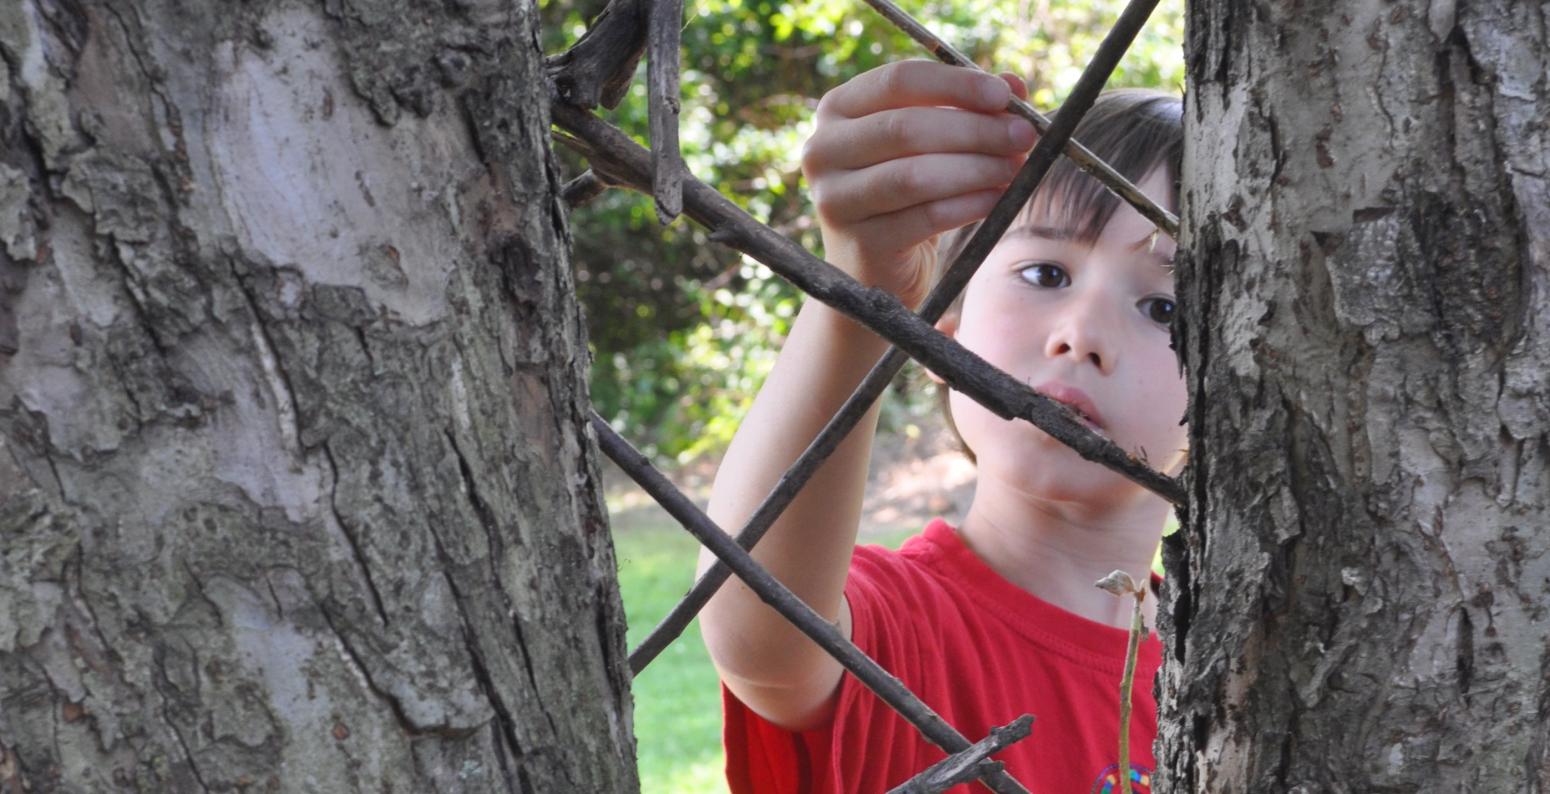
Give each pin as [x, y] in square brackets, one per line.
[597, 70]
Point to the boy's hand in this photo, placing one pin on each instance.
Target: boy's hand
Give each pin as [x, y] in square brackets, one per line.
[903, 153]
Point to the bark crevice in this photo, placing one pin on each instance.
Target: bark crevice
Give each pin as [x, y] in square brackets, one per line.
[273, 367]
[352, 535]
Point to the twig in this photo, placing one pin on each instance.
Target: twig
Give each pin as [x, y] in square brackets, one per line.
[1126, 685]
[968, 765]
[772, 592]
[962, 369]
[662, 87]
[953, 281]
[1079, 154]
[1119, 583]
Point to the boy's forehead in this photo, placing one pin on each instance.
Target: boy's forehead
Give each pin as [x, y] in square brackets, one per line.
[1130, 235]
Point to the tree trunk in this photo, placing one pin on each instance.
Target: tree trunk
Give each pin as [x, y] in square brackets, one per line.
[1358, 596]
[294, 488]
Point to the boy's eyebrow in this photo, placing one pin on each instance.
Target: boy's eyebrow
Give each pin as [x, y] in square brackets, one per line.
[1146, 245]
[1056, 233]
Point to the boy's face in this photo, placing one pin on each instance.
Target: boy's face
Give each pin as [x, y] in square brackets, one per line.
[1073, 319]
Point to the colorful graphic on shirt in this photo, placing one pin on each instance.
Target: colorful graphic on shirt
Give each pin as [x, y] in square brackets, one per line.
[1108, 780]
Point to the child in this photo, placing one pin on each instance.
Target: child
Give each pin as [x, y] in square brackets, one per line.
[998, 616]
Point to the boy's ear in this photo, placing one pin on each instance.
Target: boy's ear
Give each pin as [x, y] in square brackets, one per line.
[948, 326]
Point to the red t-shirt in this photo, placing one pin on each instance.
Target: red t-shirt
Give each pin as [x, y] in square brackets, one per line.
[979, 651]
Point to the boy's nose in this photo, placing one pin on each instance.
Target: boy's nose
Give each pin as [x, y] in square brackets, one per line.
[1079, 334]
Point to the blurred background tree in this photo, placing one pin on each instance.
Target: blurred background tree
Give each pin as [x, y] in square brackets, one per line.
[683, 330]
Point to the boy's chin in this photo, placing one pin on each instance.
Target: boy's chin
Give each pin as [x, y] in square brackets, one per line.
[1052, 471]
[1041, 466]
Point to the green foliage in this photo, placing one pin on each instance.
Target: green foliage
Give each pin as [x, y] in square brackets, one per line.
[692, 385]
[683, 330]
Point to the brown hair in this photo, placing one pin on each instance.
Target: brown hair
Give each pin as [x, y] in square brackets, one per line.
[1134, 131]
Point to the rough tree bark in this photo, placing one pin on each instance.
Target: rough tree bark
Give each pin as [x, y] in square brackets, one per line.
[1359, 596]
[294, 488]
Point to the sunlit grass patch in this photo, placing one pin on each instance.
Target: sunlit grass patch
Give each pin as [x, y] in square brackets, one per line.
[677, 698]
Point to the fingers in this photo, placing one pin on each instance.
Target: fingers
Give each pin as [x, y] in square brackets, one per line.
[902, 230]
[902, 132]
[906, 152]
[917, 84]
[1019, 88]
[855, 196]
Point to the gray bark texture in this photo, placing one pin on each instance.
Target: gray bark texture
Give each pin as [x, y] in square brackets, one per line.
[1360, 597]
[296, 491]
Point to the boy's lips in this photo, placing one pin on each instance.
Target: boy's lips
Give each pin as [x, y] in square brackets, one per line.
[1073, 398]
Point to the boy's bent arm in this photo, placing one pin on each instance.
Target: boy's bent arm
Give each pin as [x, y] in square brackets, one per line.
[766, 662]
[899, 155]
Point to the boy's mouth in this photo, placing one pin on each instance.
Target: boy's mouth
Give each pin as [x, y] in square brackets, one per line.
[1075, 399]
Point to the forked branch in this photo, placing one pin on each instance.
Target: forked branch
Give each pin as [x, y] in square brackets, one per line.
[597, 69]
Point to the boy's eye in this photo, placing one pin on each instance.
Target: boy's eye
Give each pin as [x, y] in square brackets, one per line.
[1158, 310]
[1046, 274]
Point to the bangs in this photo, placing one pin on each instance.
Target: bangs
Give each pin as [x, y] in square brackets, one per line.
[1135, 132]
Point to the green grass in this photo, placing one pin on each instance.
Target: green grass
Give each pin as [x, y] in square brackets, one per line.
[677, 697]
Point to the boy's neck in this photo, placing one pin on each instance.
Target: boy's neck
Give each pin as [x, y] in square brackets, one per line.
[1057, 552]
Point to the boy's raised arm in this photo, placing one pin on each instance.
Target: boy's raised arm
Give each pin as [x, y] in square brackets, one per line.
[901, 154]
[766, 662]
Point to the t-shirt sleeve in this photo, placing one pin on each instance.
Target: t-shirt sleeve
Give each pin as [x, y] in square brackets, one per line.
[865, 746]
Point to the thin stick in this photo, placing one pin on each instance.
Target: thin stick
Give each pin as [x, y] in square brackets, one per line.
[941, 297]
[1126, 684]
[1079, 154]
[667, 166]
[968, 765]
[1122, 584]
[772, 592]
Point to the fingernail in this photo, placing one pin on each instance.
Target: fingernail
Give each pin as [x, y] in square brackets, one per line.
[1020, 132]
